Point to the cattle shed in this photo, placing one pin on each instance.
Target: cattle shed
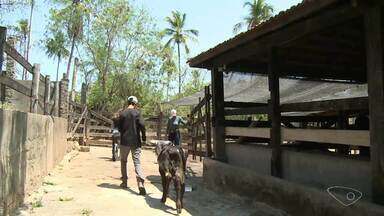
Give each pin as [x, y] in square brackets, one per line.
[335, 42]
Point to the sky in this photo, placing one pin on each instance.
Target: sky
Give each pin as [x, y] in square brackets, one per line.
[214, 19]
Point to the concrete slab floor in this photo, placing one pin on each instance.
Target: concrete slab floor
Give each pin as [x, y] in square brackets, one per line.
[89, 185]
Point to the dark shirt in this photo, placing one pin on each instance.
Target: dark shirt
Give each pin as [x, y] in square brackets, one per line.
[130, 124]
[174, 123]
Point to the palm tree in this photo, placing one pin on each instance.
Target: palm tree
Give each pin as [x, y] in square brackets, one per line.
[23, 31]
[55, 48]
[32, 4]
[179, 36]
[75, 29]
[259, 11]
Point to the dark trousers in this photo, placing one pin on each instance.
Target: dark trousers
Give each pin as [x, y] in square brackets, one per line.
[175, 137]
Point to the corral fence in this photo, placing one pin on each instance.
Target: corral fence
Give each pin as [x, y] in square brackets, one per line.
[200, 127]
[37, 96]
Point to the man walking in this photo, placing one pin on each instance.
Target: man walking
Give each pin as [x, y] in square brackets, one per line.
[130, 124]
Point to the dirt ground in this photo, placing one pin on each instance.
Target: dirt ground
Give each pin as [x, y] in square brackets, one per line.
[87, 183]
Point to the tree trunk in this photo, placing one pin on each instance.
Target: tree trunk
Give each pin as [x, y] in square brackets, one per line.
[178, 53]
[24, 76]
[70, 56]
[29, 33]
[58, 67]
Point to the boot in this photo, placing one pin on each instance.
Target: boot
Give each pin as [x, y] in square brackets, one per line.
[140, 184]
[124, 184]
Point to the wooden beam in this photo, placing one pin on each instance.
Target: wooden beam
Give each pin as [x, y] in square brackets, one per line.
[47, 94]
[17, 57]
[200, 104]
[275, 114]
[271, 26]
[218, 112]
[233, 104]
[248, 132]
[208, 122]
[342, 137]
[360, 103]
[290, 33]
[247, 111]
[345, 137]
[13, 84]
[35, 88]
[375, 73]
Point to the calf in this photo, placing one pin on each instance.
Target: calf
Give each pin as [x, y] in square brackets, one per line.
[172, 163]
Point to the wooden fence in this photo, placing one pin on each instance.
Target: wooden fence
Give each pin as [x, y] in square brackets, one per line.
[42, 99]
[200, 127]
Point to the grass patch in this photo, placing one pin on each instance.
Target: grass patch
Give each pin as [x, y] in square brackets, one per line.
[48, 183]
[65, 199]
[37, 204]
[86, 212]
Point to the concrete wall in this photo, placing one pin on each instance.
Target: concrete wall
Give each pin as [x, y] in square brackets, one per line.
[293, 198]
[312, 169]
[30, 146]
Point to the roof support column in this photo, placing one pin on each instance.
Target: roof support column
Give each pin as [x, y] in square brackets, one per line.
[218, 113]
[275, 115]
[375, 75]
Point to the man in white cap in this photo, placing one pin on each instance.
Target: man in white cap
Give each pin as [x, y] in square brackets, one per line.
[130, 124]
[173, 127]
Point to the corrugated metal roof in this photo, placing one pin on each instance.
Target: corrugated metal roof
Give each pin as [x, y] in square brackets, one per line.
[254, 88]
[302, 10]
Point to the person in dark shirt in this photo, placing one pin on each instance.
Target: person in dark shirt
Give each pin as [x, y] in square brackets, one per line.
[130, 124]
[173, 130]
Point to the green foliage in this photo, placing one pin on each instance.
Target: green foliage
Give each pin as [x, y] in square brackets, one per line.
[55, 46]
[259, 11]
[124, 52]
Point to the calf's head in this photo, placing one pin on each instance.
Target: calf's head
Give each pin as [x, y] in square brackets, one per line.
[160, 145]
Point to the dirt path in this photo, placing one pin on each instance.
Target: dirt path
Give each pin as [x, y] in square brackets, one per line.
[89, 185]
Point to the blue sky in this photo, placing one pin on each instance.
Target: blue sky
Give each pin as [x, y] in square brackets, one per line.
[213, 18]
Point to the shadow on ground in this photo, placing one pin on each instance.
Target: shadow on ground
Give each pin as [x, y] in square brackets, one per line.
[151, 202]
[191, 199]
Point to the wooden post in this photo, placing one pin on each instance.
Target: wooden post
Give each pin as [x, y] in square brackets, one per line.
[275, 115]
[83, 99]
[56, 98]
[218, 112]
[375, 75]
[35, 88]
[3, 35]
[200, 117]
[208, 121]
[10, 71]
[47, 94]
[159, 125]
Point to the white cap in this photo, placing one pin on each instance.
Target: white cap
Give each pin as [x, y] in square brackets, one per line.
[133, 99]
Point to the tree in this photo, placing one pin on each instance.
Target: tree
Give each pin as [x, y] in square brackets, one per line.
[178, 35]
[22, 30]
[32, 6]
[259, 11]
[55, 48]
[70, 18]
[168, 69]
[124, 53]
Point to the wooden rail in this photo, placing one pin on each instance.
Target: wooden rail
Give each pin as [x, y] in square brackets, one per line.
[344, 137]
[15, 85]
